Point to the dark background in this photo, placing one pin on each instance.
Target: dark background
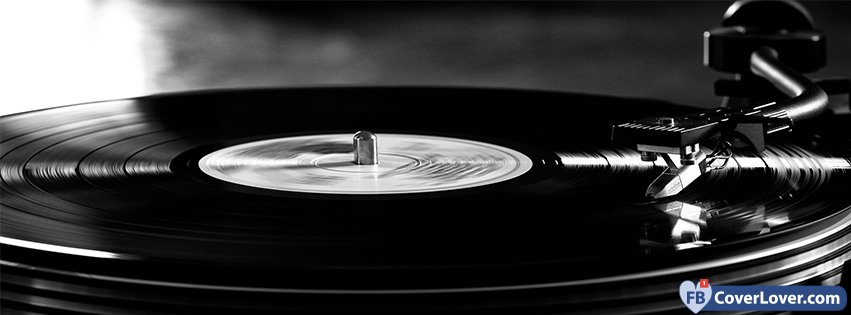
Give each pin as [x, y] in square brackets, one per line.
[81, 50]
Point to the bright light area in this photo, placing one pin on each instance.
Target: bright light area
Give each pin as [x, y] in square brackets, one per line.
[688, 222]
[58, 249]
[60, 52]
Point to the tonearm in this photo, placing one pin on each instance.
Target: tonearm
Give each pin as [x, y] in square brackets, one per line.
[760, 41]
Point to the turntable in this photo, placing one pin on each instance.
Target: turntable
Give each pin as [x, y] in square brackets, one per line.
[340, 200]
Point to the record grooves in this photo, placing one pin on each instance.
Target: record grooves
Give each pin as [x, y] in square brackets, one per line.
[106, 210]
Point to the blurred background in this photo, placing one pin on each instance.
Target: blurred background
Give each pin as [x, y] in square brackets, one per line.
[70, 51]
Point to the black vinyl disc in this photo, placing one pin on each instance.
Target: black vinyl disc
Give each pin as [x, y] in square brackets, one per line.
[105, 209]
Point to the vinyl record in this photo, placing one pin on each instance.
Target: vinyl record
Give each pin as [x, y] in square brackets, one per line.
[245, 200]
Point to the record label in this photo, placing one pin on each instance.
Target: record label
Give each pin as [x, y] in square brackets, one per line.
[324, 164]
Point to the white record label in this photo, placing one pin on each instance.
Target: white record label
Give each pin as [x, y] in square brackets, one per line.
[324, 164]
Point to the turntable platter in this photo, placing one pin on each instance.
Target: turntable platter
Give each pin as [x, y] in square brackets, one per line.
[116, 206]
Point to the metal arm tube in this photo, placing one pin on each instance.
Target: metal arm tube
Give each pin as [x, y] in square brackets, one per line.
[808, 100]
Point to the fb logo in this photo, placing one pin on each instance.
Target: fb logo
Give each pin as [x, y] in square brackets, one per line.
[695, 297]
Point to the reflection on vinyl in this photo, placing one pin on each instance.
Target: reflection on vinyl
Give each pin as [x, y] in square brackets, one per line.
[248, 201]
